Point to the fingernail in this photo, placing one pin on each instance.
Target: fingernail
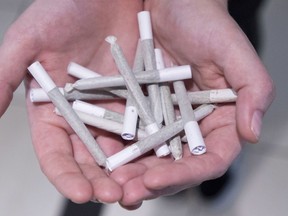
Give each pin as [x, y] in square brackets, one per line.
[256, 123]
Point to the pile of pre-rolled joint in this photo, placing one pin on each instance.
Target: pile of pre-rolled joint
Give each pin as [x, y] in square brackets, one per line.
[149, 119]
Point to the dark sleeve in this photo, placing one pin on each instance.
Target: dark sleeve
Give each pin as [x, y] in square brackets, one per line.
[246, 14]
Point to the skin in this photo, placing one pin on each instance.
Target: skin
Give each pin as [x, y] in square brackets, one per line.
[211, 42]
[56, 33]
[202, 33]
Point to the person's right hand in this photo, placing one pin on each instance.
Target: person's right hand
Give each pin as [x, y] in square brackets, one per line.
[55, 33]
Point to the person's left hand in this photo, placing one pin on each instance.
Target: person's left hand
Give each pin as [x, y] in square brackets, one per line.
[202, 34]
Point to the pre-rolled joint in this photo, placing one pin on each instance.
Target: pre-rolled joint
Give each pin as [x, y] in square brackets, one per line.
[126, 155]
[203, 111]
[130, 123]
[159, 59]
[111, 39]
[41, 76]
[68, 87]
[194, 137]
[151, 128]
[88, 108]
[198, 150]
[175, 73]
[162, 150]
[39, 95]
[145, 28]
[223, 95]
[80, 72]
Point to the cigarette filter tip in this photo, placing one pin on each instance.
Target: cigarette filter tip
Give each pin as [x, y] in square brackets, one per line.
[130, 123]
[80, 72]
[126, 155]
[41, 76]
[145, 28]
[194, 137]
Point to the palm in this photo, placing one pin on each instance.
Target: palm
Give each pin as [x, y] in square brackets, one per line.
[202, 34]
[58, 32]
[72, 33]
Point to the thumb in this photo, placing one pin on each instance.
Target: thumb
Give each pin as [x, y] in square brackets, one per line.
[15, 56]
[255, 90]
[252, 103]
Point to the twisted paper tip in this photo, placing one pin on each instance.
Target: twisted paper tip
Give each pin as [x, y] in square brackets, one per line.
[111, 39]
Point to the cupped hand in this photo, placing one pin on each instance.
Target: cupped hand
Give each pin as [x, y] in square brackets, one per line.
[202, 33]
[55, 33]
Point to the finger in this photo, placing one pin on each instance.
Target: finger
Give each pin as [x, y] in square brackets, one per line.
[66, 161]
[105, 189]
[137, 168]
[54, 151]
[15, 55]
[130, 176]
[129, 171]
[183, 174]
[135, 192]
[70, 167]
[165, 176]
[248, 76]
[192, 170]
[131, 207]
